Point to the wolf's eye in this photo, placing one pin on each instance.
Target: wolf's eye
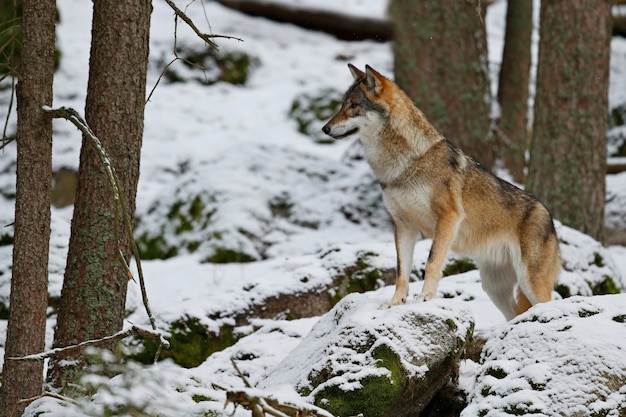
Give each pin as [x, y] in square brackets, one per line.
[353, 105]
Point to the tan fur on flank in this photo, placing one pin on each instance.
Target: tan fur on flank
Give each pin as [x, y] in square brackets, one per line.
[431, 188]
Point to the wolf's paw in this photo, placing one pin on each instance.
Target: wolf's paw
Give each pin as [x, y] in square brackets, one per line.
[419, 298]
[393, 302]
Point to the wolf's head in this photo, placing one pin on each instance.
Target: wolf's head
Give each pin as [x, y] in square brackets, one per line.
[364, 107]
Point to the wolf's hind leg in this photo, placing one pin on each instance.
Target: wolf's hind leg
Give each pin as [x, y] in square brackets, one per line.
[540, 265]
[499, 282]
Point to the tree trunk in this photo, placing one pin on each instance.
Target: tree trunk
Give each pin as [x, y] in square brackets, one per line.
[29, 284]
[567, 164]
[95, 282]
[440, 54]
[513, 86]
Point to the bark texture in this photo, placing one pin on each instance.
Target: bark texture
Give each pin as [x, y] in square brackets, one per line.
[513, 86]
[567, 164]
[95, 282]
[440, 54]
[29, 283]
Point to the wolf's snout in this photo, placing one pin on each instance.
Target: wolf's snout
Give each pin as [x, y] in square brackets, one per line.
[326, 129]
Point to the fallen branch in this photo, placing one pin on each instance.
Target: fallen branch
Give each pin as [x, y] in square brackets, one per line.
[262, 405]
[132, 331]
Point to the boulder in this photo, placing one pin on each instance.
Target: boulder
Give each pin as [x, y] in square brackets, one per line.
[563, 358]
[359, 359]
[588, 268]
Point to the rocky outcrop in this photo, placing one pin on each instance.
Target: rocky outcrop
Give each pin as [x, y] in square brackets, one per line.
[359, 359]
[564, 358]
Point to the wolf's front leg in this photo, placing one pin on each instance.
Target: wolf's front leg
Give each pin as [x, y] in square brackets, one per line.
[405, 238]
[445, 233]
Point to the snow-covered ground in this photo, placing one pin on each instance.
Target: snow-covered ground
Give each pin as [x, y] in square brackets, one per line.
[237, 147]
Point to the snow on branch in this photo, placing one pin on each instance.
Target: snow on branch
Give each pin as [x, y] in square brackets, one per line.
[132, 331]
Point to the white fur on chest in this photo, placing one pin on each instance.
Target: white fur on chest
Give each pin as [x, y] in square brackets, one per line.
[411, 205]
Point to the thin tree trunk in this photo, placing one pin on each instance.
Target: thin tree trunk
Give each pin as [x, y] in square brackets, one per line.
[513, 86]
[29, 283]
[95, 282]
[440, 53]
[567, 164]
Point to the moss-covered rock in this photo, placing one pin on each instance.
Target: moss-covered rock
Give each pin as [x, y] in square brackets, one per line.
[191, 342]
[221, 217]
[362, 276]
[457, 266]
[209, 67]
[187, 224]
[588, 268]
[359, 360]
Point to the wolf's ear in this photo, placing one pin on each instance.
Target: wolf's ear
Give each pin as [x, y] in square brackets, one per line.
[374, 81]
[356, 73]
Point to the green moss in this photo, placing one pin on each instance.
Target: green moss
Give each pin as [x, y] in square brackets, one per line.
[182, 217]
[154, 247]
[618, 116]
[10, 37]
[232, 67]
[521, 409]
[598, 260]
[451, 324]
[606, 286]
[196, 208]
[360, 277]
[620, 319]
[6, 239]
[225, 255]
[4, 311]
[377, 395]
[311, 111]
[563, 290]
[583, 312]
[458, 266]
[497, 373]
[191, 343]
[200, 398]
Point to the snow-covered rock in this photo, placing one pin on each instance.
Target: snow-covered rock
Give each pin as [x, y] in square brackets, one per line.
[359, 359]
[588, 268]
[564, 358]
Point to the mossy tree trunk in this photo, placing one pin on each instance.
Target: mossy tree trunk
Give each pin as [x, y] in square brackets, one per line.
[29, 283]
[440, 54]
[95, 282]
[513, 86]
[567, 164]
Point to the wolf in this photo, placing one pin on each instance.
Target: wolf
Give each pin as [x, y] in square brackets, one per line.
[431, 188]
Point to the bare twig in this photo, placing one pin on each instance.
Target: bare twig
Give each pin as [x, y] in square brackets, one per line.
[132, 331]
[205, 37]
[6, 140]
[241, 375]
[261, 405]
